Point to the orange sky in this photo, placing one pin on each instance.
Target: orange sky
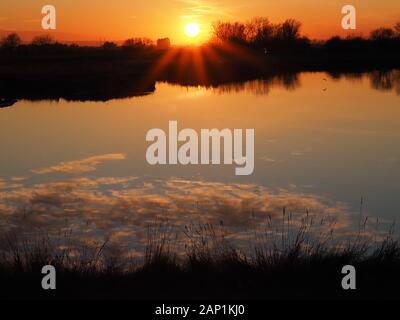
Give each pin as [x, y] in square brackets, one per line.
[121, 19]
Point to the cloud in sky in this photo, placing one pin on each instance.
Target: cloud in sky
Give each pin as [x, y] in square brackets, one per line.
[80, 166]
[199, 8]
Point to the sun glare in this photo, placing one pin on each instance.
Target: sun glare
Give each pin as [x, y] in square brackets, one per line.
[192, 29]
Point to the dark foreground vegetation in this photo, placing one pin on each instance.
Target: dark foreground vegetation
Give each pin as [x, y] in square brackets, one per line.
[46, 69]
[295, 267]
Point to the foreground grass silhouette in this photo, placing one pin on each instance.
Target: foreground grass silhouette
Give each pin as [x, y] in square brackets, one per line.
[295, 267]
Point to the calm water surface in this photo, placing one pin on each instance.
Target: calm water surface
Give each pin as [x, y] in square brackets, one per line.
[321, 143]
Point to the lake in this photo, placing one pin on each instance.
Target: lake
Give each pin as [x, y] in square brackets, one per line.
[323, 142]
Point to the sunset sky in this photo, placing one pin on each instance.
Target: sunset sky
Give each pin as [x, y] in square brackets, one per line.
[121, 19]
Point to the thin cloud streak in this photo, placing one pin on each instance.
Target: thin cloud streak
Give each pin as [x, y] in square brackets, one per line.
[80, 166]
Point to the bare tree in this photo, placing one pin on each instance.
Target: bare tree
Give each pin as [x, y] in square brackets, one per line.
[382, 34]
[11, 41]
[262, 34]
[289, 30]
[397, 28]
[108, 45]
[259, 31]
[229, 32]
[138, 43]
[44, 40]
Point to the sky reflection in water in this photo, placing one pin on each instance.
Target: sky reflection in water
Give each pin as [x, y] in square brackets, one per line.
[321, 142]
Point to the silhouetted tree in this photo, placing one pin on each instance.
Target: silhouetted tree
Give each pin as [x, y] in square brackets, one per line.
[109, 45]
[44, 40]
[11, 41]
[397, 29]
[137, 43]
[382, 34]
[289, 30]
[229, 32]
[260, 32]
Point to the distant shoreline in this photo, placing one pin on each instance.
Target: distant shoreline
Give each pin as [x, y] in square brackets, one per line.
[80, 73]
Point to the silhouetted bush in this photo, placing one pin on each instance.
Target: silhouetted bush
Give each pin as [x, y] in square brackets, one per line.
[137, 44]
[382, 34]
[11, 41]
[109, 45]
[44, 40]
[397, 29]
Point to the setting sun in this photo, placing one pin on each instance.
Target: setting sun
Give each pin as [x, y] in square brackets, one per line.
[192, 29]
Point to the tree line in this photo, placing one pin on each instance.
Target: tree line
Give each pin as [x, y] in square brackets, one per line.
[13, 41]
[260, 33]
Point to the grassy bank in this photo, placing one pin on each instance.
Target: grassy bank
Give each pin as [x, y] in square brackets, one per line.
[210, 267]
